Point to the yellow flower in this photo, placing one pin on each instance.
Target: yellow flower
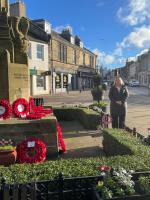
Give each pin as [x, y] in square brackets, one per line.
[100, 184]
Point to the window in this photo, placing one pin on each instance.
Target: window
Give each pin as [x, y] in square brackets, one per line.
[62, 53]
[59, 51]
[40, 51]
[83, 58]
[65, 54]
[30, 51]
[74, 58]
[91, 61]
[41, 82]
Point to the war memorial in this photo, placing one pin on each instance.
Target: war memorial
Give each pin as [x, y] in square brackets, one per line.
[14, 76]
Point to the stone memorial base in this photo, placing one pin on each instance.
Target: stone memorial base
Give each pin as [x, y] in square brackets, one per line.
[44, 129]
[14, 81]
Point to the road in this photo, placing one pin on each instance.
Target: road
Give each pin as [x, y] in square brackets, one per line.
[139, 110]
[138, 105]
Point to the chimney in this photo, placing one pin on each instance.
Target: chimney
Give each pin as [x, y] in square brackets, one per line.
[18, 9]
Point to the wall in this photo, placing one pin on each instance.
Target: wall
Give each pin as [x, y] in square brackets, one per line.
[41, 66]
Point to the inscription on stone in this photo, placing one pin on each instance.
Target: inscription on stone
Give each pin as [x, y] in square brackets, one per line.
[21, 76]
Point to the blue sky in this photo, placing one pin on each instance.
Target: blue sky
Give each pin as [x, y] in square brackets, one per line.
[114, 29]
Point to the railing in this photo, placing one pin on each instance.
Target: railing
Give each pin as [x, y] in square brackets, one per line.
[60, 189]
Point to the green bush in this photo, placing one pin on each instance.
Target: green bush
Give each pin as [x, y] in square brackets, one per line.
[119, 142]
[100, 104]
[87, 117]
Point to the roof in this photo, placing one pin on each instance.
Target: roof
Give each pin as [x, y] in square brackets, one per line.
[54, 33]
[33, 38]
[36, 33]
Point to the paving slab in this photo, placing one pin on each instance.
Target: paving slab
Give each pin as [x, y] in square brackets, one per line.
[81, 142]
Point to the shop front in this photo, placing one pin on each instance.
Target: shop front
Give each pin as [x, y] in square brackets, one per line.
[39, 82]
[62, 81]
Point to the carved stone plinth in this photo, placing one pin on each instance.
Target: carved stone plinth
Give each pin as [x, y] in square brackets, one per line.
[14, 71]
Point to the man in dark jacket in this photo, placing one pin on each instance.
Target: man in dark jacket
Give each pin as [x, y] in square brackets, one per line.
[118, 95]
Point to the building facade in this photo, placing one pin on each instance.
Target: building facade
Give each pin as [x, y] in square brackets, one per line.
[72, 65]
[58, 62]
[144, 69]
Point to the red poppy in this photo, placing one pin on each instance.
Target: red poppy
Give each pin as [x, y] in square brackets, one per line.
[61, 142]
[35, 116]
[20, 107]
[5, 109]
[31, 150]
[105, 168]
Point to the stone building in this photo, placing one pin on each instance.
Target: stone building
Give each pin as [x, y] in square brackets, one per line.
[144, 69]
[72, 65]
[57, 62]
[38, 60]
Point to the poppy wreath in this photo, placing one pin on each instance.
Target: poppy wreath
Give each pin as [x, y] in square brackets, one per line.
[20, 107]
[5, 109]
[31, 150]
[38, 109]
[35, 116]
[61, 143]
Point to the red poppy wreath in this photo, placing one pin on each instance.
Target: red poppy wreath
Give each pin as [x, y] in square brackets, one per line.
[5, 109]
[31, 150]
[20, 107]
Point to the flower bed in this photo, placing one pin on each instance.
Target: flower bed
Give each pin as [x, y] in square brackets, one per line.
[122, 185]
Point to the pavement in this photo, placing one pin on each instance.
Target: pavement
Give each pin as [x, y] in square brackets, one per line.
[81, 143]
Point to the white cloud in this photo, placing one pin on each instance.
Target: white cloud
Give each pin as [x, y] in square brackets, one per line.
[104, 58]
[109, 59]
[118, 51]
[139, 54]
[62, 27]
[137, 12]
[139, 38]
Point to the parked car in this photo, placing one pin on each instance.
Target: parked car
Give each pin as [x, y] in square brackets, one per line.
[134, 83]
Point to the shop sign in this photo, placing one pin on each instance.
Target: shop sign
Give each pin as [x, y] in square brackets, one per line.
[33, 72]
[58, 81]
[65, 81]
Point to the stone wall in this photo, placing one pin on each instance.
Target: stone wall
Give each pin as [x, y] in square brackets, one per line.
[44, 129]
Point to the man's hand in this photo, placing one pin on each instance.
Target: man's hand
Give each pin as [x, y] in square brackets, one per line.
[119, 102]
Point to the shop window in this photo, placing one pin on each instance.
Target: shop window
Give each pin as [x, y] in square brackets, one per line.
[65, 80]
[40, 51]
[58, 81]
[41, 82]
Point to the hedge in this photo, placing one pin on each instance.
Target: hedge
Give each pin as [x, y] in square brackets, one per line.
[140, 161]
[87, 117]
[120, 142]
